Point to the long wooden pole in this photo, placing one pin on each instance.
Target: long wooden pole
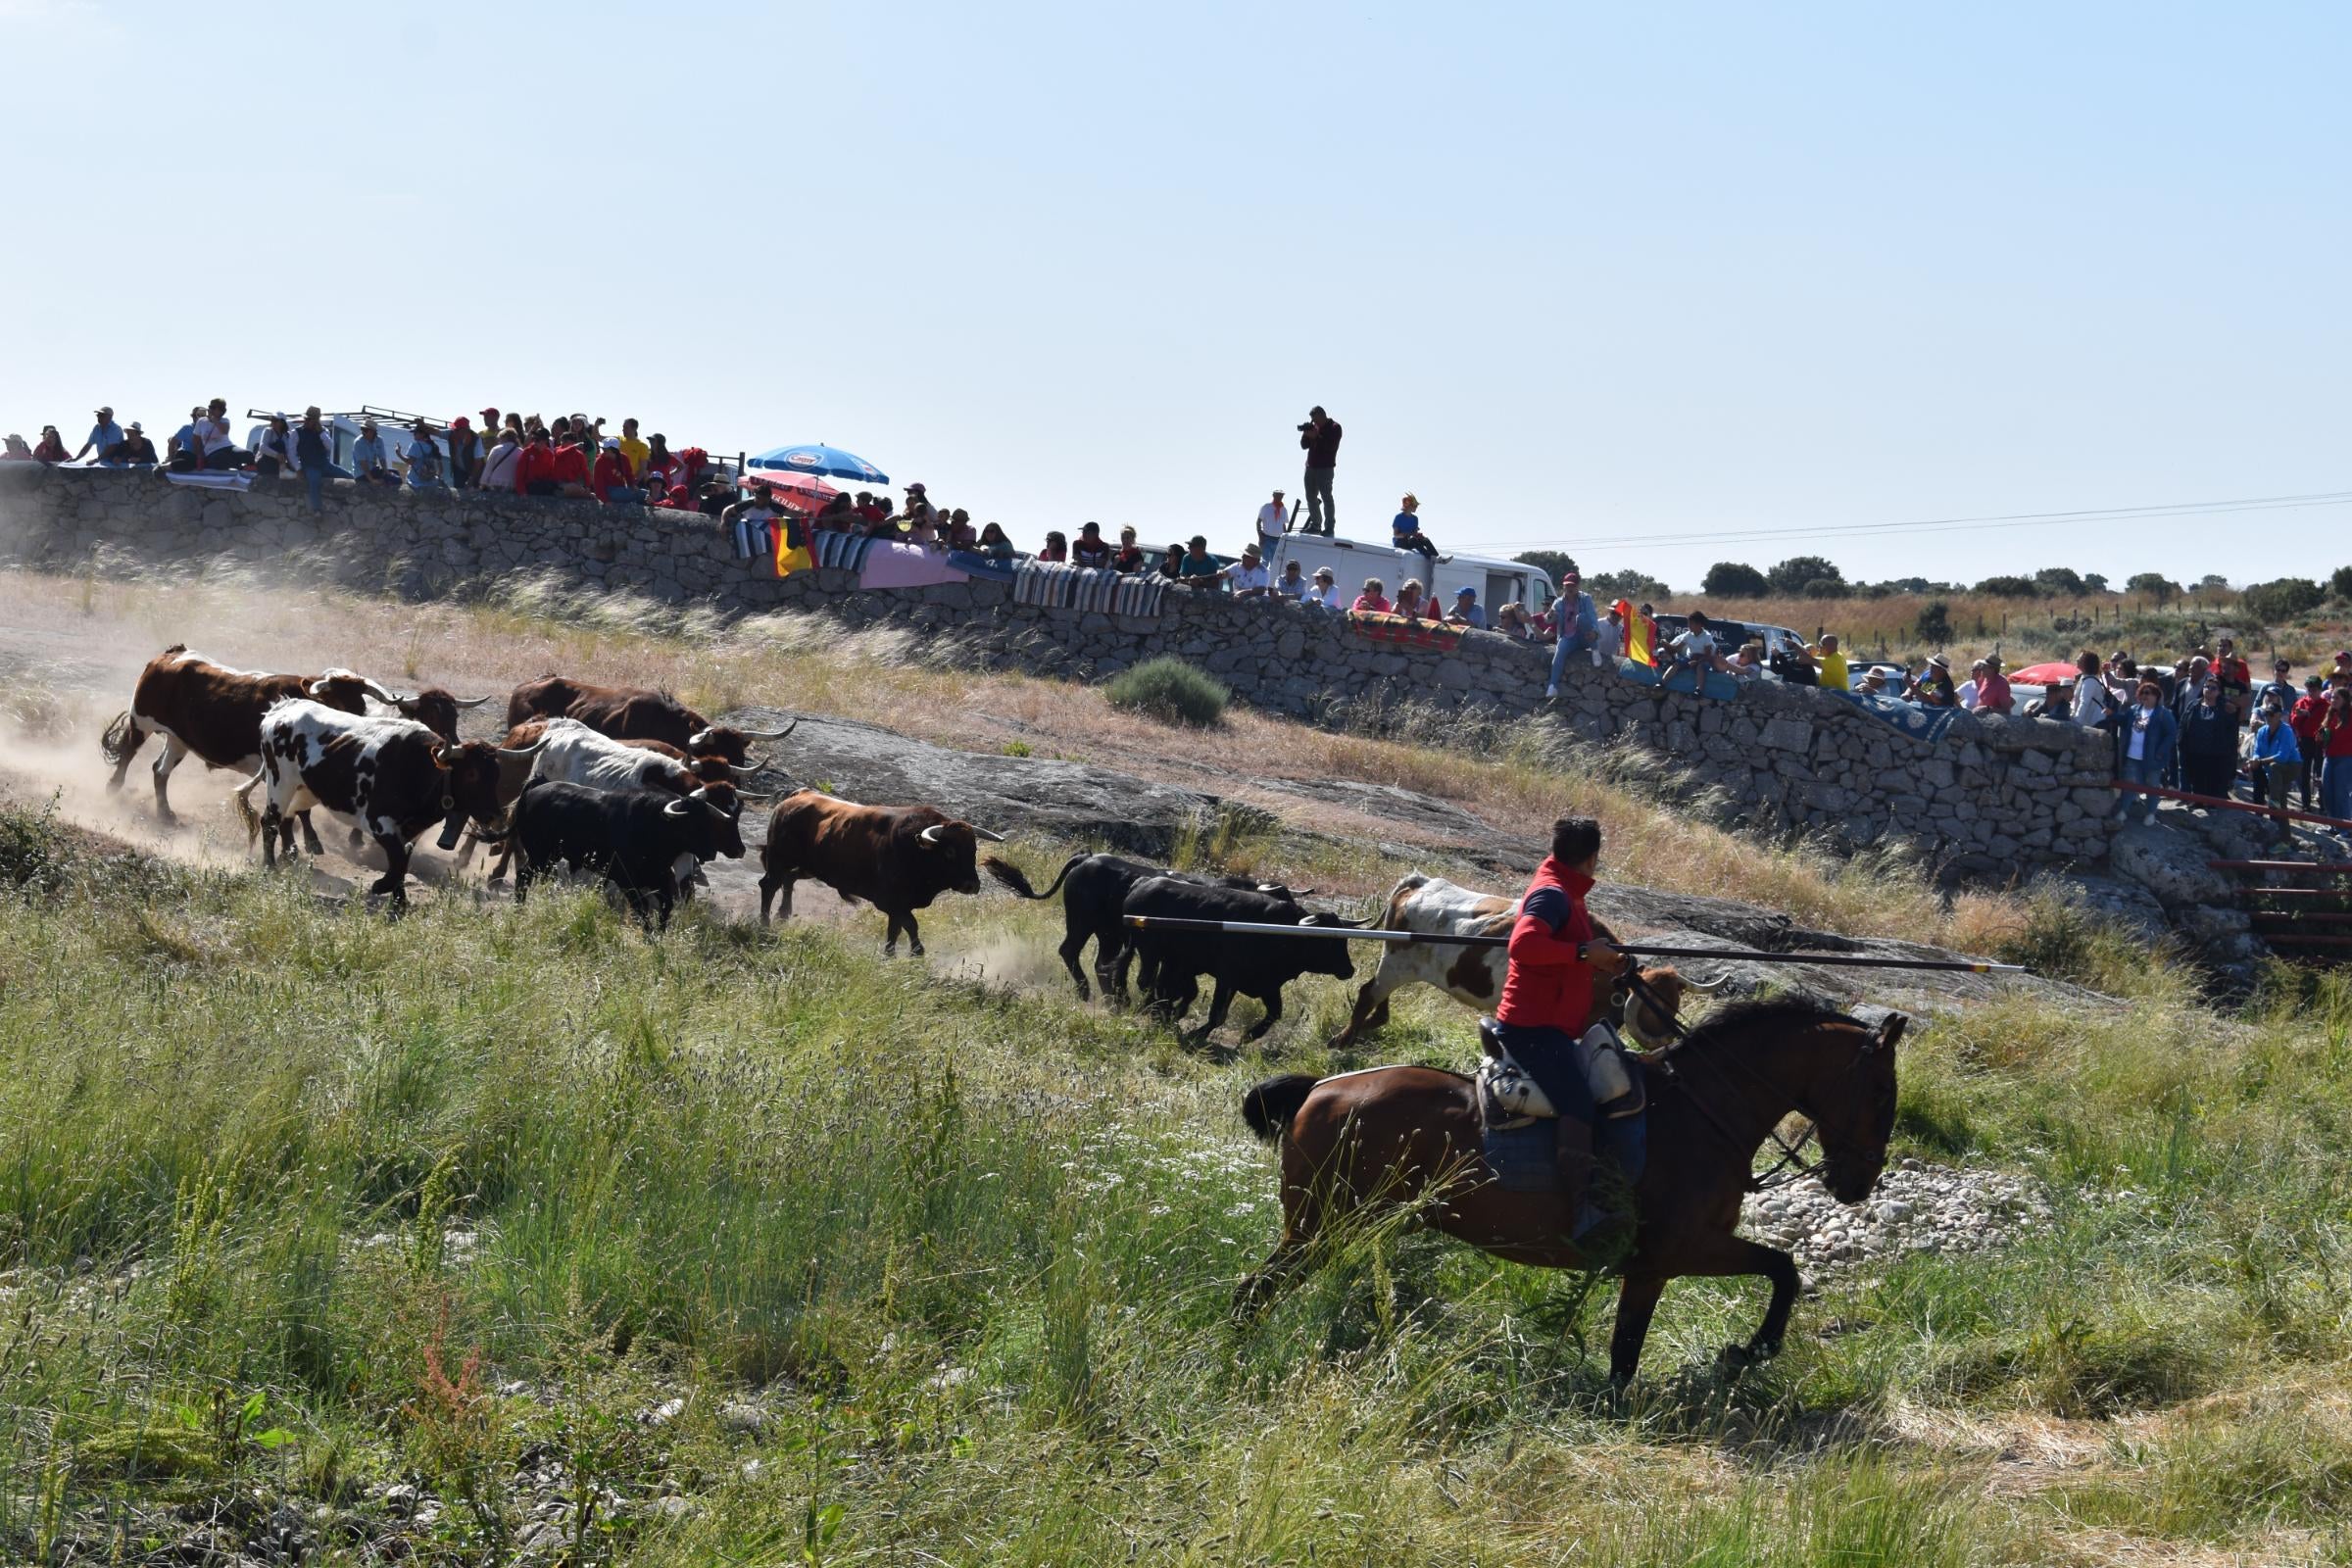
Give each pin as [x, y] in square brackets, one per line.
[1251, 928]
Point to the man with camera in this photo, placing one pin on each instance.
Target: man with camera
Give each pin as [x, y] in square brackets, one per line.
[1319, 438]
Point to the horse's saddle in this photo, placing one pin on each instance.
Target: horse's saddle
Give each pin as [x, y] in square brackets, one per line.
[1509, 1096]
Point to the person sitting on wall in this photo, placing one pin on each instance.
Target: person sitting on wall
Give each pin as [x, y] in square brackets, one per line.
[222, 454]
[1057, 549]
[1291, 586]
[1325, 594]
[571, 466]
[1410, 603]
[1248, 577]
[1129, 557]
[750, 522]
[995, 544]
[1932, 686]
[536, 469]
[957, 532]
[273, 454]
[500, 461]
[1172, 563]
[370, 459]
[134, 451]
[423, 457]
[1692, 647]
[1199, 568]
[1092, 550]
[1511, 620]
[1465, 610]
[1406, 529]
[1373, 600]
[871, 509]
[613, 481]
[923, 531]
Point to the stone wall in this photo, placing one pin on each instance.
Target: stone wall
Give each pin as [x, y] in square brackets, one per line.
[1994, 797]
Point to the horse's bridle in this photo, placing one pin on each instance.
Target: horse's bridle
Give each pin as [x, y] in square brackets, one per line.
[1792, 1166]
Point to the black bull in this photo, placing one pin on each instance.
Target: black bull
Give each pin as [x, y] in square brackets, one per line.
[1094, 905]
[1172, 962]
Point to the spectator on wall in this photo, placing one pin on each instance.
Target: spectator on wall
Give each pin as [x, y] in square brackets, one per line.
[995, 544]
[1324, 594]
[613, 481]
[634, 449]
[104, 435]
[1248, 577]
[1511, 620]
[134, 451]
[1466, 610]
[1199, 568]
[464, 453]
[499, 465]
[1410, 601]
[1129, 557]
[1994, 695]
[273, 453]
[422, 455]
[1291, 586]
[2094, 703]
[1092, 550]
[1057, 549]
[222, 454]
[1372, 600]
[1577, 625]
[370, 461]
[572, 471]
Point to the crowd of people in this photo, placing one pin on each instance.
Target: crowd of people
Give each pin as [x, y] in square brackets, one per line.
[2201, 724]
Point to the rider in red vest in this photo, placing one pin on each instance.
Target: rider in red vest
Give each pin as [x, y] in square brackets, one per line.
[1547, 997]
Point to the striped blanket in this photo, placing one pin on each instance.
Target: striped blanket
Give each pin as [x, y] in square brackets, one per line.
[843, 551]
[1066, 587]
[1376, 627]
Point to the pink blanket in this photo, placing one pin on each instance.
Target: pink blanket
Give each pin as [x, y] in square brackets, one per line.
[903, 566]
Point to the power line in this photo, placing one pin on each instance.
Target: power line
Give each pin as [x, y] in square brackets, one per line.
[2013, 519]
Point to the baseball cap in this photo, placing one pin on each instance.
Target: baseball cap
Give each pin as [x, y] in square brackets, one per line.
[611, 443]
[916, 490]
[1465, 592]
[1324, 575]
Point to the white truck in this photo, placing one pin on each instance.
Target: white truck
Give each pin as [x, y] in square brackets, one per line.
[1351, 560]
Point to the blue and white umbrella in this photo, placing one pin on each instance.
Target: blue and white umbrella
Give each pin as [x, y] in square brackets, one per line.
[820, 459]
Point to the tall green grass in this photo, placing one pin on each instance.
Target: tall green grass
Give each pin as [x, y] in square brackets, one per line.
[297, 1200]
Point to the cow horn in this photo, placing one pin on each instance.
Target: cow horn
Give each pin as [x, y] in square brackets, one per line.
[676, 808]
[518, 752]
[1710, 987]
[983, 833]
[699, 739]
[772, 734]
[381, 694]
[753, 761]
[930, 835]
[470, 702]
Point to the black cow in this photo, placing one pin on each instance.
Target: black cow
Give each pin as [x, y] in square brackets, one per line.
[632, 837]
[1091, 909]
[1254, 965]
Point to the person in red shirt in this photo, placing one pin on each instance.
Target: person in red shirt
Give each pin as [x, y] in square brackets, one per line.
[614, 481]
[2336, 744]
[1371, 601]
[2236, 680]
[1546, 1000]
[571, 470]
[2304, 719]
[535, 467]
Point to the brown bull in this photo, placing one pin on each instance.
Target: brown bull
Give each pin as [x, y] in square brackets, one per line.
[214, 713]
[898, 859]
[635, 713]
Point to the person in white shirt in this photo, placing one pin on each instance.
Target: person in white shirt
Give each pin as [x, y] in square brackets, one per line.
[221, 450]
[1290, 585]
[1969, 687]
[1246, 578]
[498, 468]
[1325, 594]
[1273, 521]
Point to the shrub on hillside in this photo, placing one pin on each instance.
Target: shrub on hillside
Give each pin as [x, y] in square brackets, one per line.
[2273, 603]
[2339, 585]
[1169, 690]
[1734, 579]
[2010, 588]
[1935, 622]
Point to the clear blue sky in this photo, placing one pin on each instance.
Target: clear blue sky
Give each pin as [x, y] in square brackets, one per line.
[1571, 273]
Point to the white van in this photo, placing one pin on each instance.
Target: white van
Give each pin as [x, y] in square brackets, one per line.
[1351, 560]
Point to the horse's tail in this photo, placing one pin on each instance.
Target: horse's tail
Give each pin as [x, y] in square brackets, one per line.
[1270, 1104]
[122, 739]
[1010, 875]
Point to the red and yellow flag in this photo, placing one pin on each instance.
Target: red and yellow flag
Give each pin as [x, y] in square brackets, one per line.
[792, 546]
[1636, 634]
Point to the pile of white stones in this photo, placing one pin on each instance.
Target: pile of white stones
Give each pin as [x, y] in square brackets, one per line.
[1917, 1207]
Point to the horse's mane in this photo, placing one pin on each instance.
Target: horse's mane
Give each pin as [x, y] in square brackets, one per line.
[1776, 1012]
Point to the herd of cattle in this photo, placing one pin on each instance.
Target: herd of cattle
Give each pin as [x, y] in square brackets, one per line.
[641, 790]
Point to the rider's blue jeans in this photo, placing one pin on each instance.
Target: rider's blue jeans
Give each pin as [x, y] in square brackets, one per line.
[1552, 1059]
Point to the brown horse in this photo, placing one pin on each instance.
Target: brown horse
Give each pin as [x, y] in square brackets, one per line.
[1409, 1136]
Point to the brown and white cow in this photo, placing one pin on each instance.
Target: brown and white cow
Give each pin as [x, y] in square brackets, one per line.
[898, 859]
[393, 776]
[1473, 975]
[195, 706]
[634, 714]
[565, 751]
